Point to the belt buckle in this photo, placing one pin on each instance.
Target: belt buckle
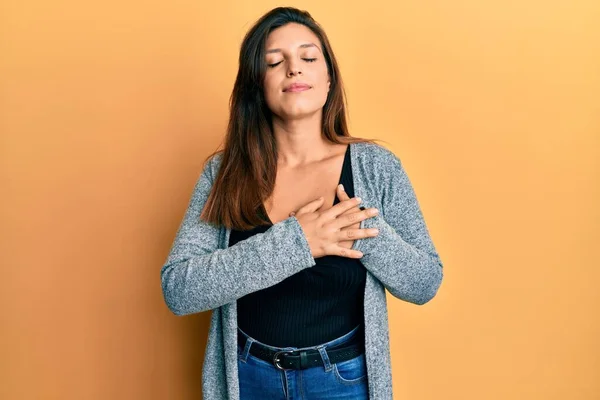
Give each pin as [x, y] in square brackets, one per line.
[276, 359]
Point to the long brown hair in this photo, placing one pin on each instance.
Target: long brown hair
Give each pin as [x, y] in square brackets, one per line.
[248, 168]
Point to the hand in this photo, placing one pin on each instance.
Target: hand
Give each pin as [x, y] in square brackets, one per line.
[343, 195]
[323, 230]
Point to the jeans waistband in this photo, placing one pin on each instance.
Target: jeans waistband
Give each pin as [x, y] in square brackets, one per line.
[347, 345]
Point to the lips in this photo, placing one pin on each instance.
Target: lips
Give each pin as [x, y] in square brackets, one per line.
[297, 87]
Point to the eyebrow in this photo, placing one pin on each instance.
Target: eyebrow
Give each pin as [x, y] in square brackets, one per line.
[302, 46]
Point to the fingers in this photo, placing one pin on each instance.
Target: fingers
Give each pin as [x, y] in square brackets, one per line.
[310, 207]
[343, 196]
[341, 207]
[316, 204]
[341, 193]
[348, 253]
[354, 218]
[354, 234]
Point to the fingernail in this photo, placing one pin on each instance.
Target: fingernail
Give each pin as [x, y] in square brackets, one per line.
[341, 187]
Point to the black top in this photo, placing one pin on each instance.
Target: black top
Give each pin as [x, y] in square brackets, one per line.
[314, 306]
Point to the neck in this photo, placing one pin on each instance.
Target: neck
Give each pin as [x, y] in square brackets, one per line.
[300, 141]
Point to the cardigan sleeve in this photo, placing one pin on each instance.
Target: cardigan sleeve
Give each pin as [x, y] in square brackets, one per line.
[199, 276]
[402, 256]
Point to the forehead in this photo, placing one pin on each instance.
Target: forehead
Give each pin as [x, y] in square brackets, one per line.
[290, 36]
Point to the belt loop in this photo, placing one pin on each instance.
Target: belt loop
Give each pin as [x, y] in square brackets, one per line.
[244, 355]
[325, 357]
[303, 360]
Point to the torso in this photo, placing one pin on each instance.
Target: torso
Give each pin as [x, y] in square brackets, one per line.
[316, 304]
[296, 188]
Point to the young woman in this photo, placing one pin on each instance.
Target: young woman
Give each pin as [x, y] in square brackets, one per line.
[293, 266]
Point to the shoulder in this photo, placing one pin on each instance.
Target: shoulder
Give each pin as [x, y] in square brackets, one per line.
[215, 160]
[380, 172]
[212, 165]
[376, 156]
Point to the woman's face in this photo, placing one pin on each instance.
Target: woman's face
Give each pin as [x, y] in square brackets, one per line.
[297, 81]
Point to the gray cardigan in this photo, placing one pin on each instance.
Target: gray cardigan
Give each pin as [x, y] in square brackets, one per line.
[202, 273]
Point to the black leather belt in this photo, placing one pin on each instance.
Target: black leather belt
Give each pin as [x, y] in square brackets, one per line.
[303, 359]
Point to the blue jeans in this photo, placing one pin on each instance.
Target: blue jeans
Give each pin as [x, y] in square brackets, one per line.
[260, 379]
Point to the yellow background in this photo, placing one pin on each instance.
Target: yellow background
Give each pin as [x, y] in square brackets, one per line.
[109, 108]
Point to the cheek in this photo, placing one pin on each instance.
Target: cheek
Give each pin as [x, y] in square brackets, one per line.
[323, 85]
[267, 85]
[321, 78]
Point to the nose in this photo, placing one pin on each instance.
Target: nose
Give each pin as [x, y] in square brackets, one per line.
[293, 69]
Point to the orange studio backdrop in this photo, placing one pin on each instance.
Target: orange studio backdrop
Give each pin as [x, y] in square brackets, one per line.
[108, 109]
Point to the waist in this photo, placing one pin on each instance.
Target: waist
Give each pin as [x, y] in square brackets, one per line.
[345, 347]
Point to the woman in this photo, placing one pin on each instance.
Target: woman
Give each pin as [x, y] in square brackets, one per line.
[294, 269]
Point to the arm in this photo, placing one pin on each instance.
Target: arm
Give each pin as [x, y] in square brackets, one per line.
[402, 256]
[199, 276]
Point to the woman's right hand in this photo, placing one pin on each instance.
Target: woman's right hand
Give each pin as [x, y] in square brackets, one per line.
[323, 229]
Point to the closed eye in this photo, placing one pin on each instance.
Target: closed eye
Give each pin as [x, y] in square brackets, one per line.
[305, 59]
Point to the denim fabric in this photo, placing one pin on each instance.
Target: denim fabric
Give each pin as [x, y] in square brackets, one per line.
[260, 379]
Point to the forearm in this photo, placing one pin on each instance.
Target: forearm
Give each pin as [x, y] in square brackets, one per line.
[194, 280]
[410, 272]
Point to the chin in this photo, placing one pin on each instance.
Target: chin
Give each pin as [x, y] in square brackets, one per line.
[299, 113]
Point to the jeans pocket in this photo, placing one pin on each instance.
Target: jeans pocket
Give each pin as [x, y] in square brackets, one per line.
[351, 371]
